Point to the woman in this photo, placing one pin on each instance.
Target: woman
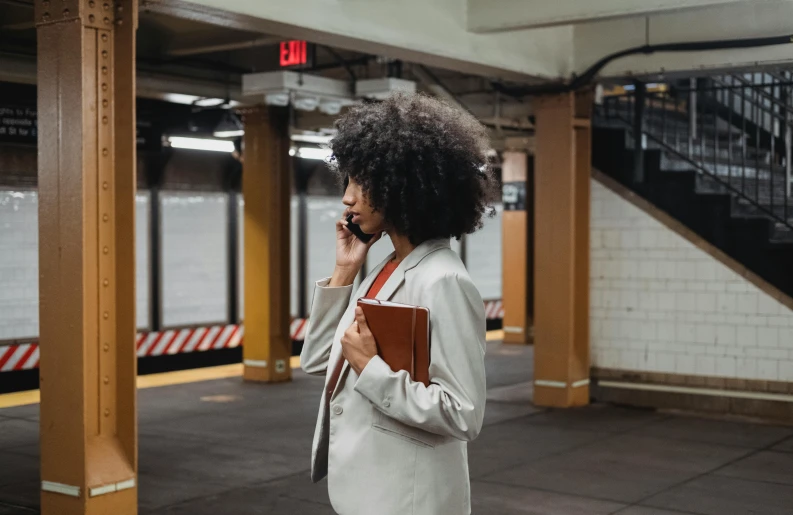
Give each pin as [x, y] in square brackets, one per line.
[413, 168]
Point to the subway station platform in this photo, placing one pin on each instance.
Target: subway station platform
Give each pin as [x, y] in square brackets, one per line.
[221, 446]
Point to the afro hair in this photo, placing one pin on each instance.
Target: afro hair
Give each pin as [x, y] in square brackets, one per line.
[420, 162]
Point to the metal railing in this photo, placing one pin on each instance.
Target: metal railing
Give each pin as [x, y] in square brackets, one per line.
[734, 131]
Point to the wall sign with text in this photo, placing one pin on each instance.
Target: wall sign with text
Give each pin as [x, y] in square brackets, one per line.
[18, 124]
[513, 194]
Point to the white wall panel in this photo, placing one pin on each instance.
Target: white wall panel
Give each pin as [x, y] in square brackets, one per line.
[293, 261]
[484, 256]
[19, 265]
[321, 252]
[194, 258]
[142, 260]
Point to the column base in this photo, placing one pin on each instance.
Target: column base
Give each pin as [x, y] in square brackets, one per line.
[259, 374]
[124, 502]
[560, 397]
[518, 335]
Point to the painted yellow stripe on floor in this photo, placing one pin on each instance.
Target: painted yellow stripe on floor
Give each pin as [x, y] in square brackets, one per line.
[10, 400]
[195, 375]
[493, 336]
[189, 376]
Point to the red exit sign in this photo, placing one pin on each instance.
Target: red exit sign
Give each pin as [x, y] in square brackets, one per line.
[293, 53]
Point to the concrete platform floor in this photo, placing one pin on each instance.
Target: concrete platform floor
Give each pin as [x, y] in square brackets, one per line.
[225, 447]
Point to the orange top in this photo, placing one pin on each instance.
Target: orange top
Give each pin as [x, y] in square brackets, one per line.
[381, 279]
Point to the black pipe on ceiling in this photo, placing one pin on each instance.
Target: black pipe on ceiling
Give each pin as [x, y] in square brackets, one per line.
[590, 73]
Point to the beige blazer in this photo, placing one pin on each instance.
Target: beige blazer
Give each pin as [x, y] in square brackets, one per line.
[388, 445]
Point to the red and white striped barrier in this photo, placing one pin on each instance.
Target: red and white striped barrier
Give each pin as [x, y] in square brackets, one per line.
[198, 339]
[160, 343]
[179, 341]
[19, 357]
[494, 310]
[298, 329]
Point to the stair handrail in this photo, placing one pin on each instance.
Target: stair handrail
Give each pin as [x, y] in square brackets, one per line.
[630, 125]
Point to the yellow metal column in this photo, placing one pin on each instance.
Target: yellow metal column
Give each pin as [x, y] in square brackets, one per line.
[515, 244]
[266, 187]
[86, 104]
[561, 302]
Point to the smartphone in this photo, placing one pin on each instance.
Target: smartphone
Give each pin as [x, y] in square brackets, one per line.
[356, 230]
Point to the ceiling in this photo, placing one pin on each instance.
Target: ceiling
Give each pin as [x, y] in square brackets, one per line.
[186, 60]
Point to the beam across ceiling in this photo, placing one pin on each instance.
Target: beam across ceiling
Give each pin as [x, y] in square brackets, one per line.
[209, 47]
[487, 16]
[429, 32]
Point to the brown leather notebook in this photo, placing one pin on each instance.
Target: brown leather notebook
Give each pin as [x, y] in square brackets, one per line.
[402, 333]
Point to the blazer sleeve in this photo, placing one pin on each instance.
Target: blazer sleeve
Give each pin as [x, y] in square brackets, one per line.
[454, 402]
[327, 308]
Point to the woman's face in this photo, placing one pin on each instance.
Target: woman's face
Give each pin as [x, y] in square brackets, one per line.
[369, 220]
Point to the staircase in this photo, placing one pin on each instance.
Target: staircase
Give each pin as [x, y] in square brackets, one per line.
[715, 153]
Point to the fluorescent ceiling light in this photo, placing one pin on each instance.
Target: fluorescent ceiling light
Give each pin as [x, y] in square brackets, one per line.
[321, 154]
[178, 98]
[230, 126]
[318, 139]
[215, 145]
[229, 134]
[209, 102]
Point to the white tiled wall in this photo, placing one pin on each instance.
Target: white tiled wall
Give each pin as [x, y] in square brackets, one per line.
[142, 259]
[484, 256]
[660, 304]
[194, 258]
[19, 265]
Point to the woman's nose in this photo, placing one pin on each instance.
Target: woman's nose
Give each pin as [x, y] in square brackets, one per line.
[348, 199]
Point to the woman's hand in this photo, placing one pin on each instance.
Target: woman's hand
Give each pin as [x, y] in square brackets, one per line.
[358, 344]
[350, 254]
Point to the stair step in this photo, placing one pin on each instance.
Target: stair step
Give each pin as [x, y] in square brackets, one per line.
[782, 234]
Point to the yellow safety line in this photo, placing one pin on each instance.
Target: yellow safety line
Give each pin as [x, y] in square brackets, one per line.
[10, 400]
[195, 375]
[496, 335]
